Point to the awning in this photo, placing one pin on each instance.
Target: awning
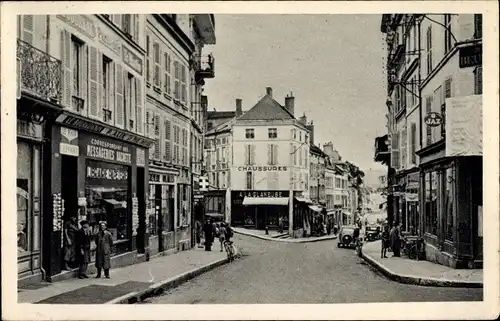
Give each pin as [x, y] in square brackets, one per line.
[214, 215]
[331, 212]
[347, 213]
[265, 201]
[303, 200]
[315, 208]
[115, 203]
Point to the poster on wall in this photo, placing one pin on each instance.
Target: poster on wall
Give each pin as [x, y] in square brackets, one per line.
[464, 126]
[135, 215]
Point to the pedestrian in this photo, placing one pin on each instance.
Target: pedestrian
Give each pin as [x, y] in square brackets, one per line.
[83, 249]
[280, 224]
[70, 231]
[385, 242]
[395, 240]
[198, 232]
[208, 230]
[222, 235]
[104, 242]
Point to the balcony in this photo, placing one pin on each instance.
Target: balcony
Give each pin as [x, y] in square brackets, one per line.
[40, 73]
[205, 68]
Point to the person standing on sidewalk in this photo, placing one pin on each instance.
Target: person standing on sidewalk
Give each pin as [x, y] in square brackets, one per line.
[208, 230]
[395, 240]
[280, 224]
[104, 242]
[222, 235]
[198, 232]
[385, 242]
[83, 249]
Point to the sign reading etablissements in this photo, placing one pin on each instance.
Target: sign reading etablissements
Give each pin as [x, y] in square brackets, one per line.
[464, 126]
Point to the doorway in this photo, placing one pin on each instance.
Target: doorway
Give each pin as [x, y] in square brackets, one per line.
[141, 233]
[69, 193]
[158, 213]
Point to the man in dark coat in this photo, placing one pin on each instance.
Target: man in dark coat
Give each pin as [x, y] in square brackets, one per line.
[104, 242]
[208, 231]
[83, 249]
[395, 240]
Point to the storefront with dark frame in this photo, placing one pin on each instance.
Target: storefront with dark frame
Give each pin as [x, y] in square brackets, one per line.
[259, 209]
[451, 207]
[98, 173]
[214, 202]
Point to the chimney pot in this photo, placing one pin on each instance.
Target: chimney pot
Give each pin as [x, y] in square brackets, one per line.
[269, 91]
[238, 107]
[290, 104]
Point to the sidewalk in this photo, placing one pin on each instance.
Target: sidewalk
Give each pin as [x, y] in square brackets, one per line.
[274, 236]
[158, 274]
[426, 273]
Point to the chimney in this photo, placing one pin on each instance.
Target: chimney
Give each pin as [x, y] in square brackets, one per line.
[238, 107]
[290, 103]
[269, 92]
[310, 127]
[328, 149]
[303, 120]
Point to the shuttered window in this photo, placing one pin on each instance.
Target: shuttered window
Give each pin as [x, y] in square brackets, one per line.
[428, 129]
[94, 75]
[167, 157]
[249, 154]
[136, 33]
[429, 49]
[183, 84]
[156, 155]
[413, 142]
[478, 81]
[148, 58]
[139, 105]
[404, 146]
[28, 28]
[177, 80]
[395, 161]
[67, 83]
[167, 82]
[447, 94]
[156, 60]
[119, 97]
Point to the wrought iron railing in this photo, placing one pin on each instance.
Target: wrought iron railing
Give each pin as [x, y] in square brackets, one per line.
[40, 72]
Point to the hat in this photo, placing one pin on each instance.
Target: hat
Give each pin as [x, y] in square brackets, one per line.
[83, 222]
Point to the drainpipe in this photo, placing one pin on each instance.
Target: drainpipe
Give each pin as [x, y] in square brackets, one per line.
[420, 227]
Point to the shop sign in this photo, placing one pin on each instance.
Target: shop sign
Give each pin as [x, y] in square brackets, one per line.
[100, 173]
[140, 157]
[433, 119]
[411, 197]
[261, 194]
[29, 129]
[470, 56]
[108, 151]
[262, 168]
[135, 215]
[69, 142]
[464, 129]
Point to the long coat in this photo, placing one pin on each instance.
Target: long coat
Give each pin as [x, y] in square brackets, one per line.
[83, 246]
[104, 242]
[394, 239]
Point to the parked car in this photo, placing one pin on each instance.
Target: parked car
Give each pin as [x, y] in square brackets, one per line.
[372, 233]
[348, 236]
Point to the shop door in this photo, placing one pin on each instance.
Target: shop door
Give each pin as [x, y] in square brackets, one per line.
[141, 245]
[261, 218]
[69, 193]
[158, 214]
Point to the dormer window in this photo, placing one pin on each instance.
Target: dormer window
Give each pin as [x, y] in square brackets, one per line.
[272, 133]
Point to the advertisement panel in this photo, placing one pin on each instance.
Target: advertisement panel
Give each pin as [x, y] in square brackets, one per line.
[464, 126]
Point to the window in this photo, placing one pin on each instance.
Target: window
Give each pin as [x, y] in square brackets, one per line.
[183, 84]
[148, 59]
[395, 155]
[428, 109]
[300, 136]
[437, 102]
[447, 94]
[478, 26]
[403, 147]
[106, 95]
[167, 84]
[397, 98]
[272, 133]
[447, 33]
[76, 56]
[478, 81]
[249, 133]
[413, 142]
[177, 88]
[249, 154]
[130, 107]
[272, 154]
[448, 180]
[156, 59]
[249, 180]
[167, 155]
[429, 49]
[414, 91]
[127, 24]
[431, 195]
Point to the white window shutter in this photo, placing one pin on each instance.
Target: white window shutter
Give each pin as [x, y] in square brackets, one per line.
[136, 28]
[100, 91]
[275, 154]
[84, 79]
[93, 83]
[117, 20]
[157, 137]
[67, 81]
[139, 97]
[28, 28]
[168, 142]
[111, 91]
[119, 94]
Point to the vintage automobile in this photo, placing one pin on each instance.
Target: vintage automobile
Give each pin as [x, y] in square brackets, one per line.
[372, 233]
[348, 236]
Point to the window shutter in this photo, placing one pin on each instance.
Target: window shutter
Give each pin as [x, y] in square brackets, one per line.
[156, 59]
[139, 106]
[136, 28]
[447, 94]
[395, 150]
[67, 83]
[176, 84]
[117, 20]
[93, 82]
[28, 28]
[168, 144]
[428, 109]
[252, 154]
[413, 129]
[183, 80]
[247, 154]
[157, 137]
[84, 79]
[269, 154]
[478, 81]
[166, 75]
[148, 58]
[119, 108]
[275, 154]
[111, 91]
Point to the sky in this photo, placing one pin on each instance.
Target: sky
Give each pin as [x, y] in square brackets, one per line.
[333, 64]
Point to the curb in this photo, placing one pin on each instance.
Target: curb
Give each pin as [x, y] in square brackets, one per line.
[270, 238]
[407, 279]
[160, 287]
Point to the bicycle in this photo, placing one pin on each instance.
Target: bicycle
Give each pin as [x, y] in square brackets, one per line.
[229, 247]
[413, 249]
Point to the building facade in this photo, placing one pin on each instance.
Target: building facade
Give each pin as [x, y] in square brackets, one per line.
[175, 113]
[442, 200]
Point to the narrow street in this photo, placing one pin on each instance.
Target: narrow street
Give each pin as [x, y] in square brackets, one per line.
[273, 272]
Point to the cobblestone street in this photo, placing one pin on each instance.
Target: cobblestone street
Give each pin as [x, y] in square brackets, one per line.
[275, 272]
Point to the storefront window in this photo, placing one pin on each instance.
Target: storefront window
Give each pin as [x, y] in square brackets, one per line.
[107, 197]
[24, 185]
[152, 219]
[449, 202]
[428, 202]
[434, 202]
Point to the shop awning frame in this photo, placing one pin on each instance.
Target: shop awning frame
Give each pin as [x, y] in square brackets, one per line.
[280, 201]
[304, 200]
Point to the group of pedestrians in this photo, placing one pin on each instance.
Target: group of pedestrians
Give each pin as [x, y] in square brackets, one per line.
[211, 231]
[391, 240]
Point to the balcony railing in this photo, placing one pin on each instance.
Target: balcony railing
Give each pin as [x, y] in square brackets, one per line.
[40, 72]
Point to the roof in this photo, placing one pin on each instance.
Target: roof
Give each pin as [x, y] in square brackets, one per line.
[317, 150]
[220, 114]
[221, 128]
[266, 109]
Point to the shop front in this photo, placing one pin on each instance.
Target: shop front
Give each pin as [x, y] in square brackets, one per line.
[183, 210]
[301, 215]
[161, 209]
[259, 209]
[215, 206]
[411, 220]
[98, 174]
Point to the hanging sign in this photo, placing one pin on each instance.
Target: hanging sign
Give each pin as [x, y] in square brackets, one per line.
[433, 119]
[135, 215]
[470, 56]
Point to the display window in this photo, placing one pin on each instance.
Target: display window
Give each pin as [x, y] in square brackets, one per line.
[107, 192]
[24, 196]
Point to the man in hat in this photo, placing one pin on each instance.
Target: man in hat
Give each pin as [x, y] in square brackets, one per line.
[83, 248]
[104, 242]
